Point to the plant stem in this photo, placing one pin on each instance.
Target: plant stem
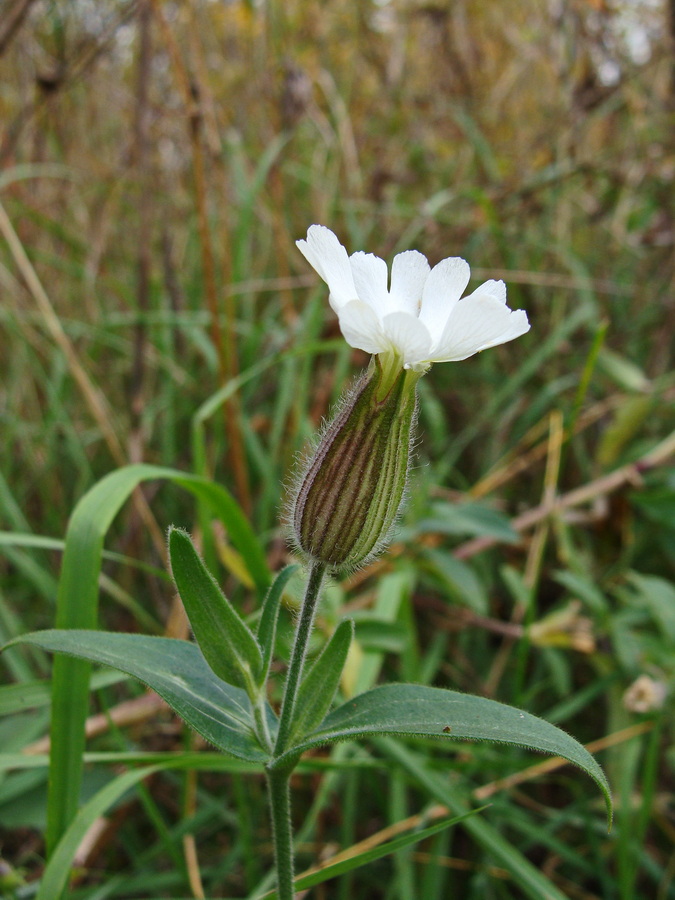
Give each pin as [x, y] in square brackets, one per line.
[296, 665]
[279, 787]
[278, 780]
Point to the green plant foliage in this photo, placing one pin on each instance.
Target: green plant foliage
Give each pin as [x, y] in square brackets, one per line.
[227, 643]
[77, 604]
[57, 872]
[468, 519]
[411, 709]
[320, 683]
[178, 672]
[530, 880]
[221, 713]
[267, 627]
[158, 164]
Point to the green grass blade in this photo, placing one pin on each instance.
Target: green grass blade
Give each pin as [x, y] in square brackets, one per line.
[55, 877]
[222, 503]
[361, 859]
[528, 878]
[77, 604]
[34, 694]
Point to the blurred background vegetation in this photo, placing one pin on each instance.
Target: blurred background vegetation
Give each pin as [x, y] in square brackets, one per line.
[158, 161]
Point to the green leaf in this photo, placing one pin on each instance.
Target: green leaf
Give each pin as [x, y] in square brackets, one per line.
[225, 639]
[221, 503]
[267, 627]
[321, 682]
[57, 871]
[375, 634]
[622, 371]
[627, 423]
[582, 586]
[413, 709]
[178, 672]
[392, 591]
[55, 877]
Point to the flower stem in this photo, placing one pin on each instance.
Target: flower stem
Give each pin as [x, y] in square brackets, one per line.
[278, 780]
[296, 665]
[279, 790]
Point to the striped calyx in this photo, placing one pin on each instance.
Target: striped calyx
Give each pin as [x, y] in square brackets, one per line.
[352, 490]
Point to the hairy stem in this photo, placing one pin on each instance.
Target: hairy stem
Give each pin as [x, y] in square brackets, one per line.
[296, 665]
[278, 780]
[279, 788]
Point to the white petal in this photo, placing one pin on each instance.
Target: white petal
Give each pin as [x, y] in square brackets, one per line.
[491, 288]
[361, 328]
[409, 272]
[443, 288]
[408, 337]
[325, 253]
[370, 277]
[518, 324]
[476, 323]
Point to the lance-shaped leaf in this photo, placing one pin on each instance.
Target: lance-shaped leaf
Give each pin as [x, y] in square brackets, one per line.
[267, 627]
[178, 672]
[226, 641]
[321, 682]
[413, 709]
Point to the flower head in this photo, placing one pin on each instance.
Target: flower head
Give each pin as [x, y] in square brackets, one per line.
[645, 695]
[418, 315]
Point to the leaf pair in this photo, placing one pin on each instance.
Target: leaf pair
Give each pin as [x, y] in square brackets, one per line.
[234, 653]
[222, 713]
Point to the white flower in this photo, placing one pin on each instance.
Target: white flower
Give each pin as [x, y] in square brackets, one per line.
[419, 317]
[645, 695]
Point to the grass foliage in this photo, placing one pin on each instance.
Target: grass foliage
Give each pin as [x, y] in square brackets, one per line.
[158, 161]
